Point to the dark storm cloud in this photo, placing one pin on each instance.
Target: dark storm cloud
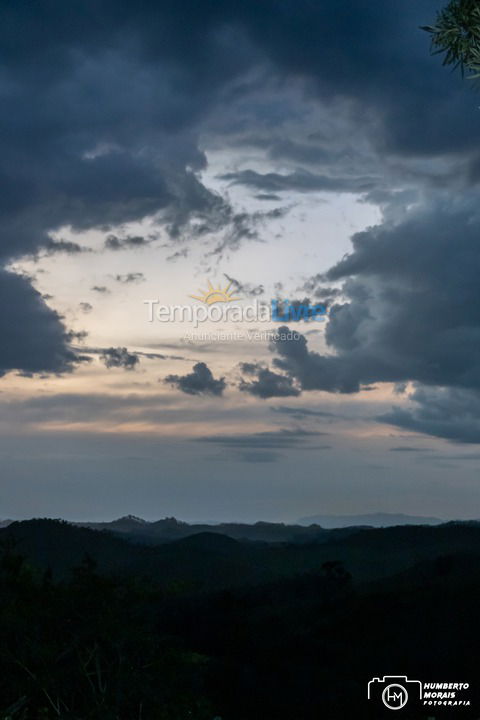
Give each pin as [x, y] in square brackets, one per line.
[77, 336]
[452, 413]
[199, 382]
[113, 242]
[344, 50]
[311, 370]
[366, 57]
[94, 155]
[119, 357]
[301, 182]
[266, 384]
[345, 55]
[80, 150]
[33, 336]
[64, 246]
[412, 309]
[301, 152]
[316, 285]
[410, 312]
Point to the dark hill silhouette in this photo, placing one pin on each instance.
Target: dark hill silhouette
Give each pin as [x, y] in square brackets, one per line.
[211, 627]
[210, 542]
[210, 560]
[60, 546]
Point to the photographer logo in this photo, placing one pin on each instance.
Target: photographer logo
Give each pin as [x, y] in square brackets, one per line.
[394, 690]
[395, 696]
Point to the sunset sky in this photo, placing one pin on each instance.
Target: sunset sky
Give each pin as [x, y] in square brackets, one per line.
[299, 150]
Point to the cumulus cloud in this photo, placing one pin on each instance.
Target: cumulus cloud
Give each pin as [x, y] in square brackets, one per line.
[199, 382]
[411, 308]
[409, 312]
[119, 357]
[266, 384]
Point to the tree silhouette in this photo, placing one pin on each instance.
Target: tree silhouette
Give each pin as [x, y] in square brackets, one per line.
[456, 35]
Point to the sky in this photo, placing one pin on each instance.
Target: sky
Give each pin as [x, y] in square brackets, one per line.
[300, 151]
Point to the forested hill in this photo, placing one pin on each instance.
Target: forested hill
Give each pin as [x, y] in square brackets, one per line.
[212, 628]
[211, 560]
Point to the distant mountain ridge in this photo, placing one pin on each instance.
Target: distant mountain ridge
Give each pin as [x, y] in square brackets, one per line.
[169, 529]
[315, 528]
[370, 519]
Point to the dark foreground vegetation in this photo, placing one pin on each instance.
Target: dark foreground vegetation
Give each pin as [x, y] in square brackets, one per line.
[94, 626]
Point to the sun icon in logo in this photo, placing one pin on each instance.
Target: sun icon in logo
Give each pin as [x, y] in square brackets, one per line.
[215, 294]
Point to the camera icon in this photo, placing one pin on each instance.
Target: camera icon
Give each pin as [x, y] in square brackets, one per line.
[394, 690]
